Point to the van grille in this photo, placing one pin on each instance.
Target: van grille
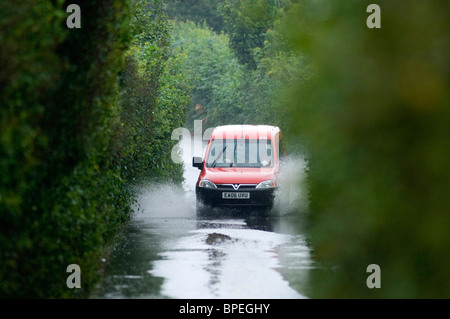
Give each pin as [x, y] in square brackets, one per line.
[241, 186]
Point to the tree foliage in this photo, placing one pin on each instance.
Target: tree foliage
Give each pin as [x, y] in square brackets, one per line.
[247, 22]
[212, 72]
[197, 11]
[223, 90]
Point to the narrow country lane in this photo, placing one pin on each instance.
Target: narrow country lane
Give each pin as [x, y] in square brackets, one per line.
[166, 252]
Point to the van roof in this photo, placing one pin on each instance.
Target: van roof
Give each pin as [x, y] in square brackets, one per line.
[245, 131]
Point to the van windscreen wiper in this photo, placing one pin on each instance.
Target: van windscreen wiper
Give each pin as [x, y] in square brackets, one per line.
[213, 164]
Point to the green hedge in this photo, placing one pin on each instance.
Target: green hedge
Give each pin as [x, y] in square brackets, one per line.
[60, 199]
[375, 116]
[64, 191]
[154, 98]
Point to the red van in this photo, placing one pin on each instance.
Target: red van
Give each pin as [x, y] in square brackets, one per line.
[240, 168]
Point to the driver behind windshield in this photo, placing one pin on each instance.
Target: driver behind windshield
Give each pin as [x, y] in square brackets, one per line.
[240, 153]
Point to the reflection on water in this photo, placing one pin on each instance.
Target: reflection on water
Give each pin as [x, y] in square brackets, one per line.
[126, 273]
[172, 257]
[266, 223]
[260, 223]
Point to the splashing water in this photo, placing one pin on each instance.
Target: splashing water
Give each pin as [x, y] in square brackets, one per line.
[165, 201]
[291, 196]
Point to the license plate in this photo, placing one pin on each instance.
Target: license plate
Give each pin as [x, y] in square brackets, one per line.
[235, 195]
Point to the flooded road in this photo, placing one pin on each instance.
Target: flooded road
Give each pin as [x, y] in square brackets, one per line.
[167, 252]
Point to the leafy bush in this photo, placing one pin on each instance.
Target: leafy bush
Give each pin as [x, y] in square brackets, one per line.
[60, 200]
[375, 118]
[74, 138]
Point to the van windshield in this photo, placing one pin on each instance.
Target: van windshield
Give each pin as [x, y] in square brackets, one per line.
[240, 153]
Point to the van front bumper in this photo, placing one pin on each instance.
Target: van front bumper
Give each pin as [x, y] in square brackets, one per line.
[258, 197]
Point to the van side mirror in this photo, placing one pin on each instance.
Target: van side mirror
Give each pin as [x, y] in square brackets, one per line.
[197, 162]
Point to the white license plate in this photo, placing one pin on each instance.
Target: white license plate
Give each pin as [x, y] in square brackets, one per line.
[236, 195]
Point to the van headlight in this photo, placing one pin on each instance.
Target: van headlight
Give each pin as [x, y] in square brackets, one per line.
[206, 184]
[267, 184]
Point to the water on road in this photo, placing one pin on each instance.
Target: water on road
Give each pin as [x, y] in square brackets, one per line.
[167, 252]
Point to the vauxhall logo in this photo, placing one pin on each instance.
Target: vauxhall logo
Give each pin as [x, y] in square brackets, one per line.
[236, 186]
